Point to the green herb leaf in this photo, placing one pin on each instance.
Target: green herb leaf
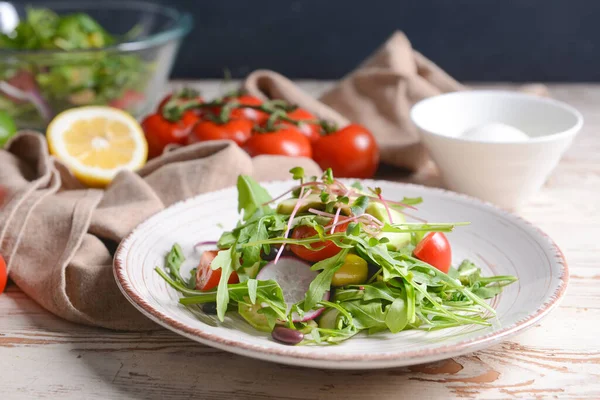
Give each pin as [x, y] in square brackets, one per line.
[487, 292]
[353, 229]
[252, 288]
[328, 176]
[380, 291]
[369, 316]
[223, 260]
[297, 173]
[322, 283]
[359, 206]
[357, 185]
[252, 197]
[173, 260]
[396, 317]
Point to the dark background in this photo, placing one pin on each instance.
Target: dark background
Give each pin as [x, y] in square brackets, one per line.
[474, 40]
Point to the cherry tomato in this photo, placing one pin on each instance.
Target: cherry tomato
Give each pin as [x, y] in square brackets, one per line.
[129, 100]
[353, 271]
[311, 131]
[435, 249]
[3, 274]
[161, 132]
[238, 130]
[257, 116]
[207, 278]
[329, 248]
[350, 152]
[286, 142]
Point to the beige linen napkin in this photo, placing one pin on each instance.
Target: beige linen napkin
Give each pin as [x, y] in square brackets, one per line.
[58, 237]
[378, 94]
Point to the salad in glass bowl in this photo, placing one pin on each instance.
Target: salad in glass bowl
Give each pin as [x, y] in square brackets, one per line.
[70, 54]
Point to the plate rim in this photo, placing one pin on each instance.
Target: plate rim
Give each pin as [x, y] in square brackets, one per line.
[289, 356]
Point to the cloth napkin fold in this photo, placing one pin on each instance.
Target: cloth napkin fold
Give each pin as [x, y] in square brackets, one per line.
[58, 238]
[378, 94]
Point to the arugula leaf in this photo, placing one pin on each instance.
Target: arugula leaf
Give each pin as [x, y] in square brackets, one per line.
[411, 302]
[369, 316]
[251, 254]
[226, 240]
[192, 282]
[380, 291]
[322, 282]
[487, 292]
[429, 227]
[223, 260]
[347, 294]
[396, 317]
[252, 288]
[173, 260]
[252, 197]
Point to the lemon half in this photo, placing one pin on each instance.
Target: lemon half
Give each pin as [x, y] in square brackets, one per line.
[97, 142]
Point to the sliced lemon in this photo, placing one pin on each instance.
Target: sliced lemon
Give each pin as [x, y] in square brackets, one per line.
[97, 142]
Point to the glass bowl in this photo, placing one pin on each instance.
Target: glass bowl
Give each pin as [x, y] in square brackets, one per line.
[35, 85]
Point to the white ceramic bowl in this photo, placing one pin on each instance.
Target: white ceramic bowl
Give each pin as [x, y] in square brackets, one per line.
[506, 173]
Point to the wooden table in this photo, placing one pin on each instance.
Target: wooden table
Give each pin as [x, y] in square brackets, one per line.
[42, 356]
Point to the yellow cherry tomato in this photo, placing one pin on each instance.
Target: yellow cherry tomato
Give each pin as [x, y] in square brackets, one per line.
[354, 271]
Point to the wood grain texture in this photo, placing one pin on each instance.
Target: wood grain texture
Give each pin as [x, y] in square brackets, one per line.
[42, 356]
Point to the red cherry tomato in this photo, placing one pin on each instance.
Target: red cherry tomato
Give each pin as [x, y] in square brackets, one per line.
[350, 152]
[128, 101]
[161, 132]
[238, 130]
[435, 249]
[284, 141]
[3, 274]
[207, 278]
[311, 131]
[329, 248]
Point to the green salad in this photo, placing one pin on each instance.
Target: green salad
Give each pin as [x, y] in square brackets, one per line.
[325, 261]
[34, 85]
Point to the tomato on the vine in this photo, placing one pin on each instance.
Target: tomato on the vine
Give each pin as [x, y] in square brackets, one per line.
[3, 274]
[435, 249]
[323, 250]
[259, 117]
[311, 131]
[208, 278]
[350, 152]
[238, 130]
[161, 132]
[284, 141]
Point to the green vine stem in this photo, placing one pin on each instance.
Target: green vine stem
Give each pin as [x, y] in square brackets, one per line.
[277, 110]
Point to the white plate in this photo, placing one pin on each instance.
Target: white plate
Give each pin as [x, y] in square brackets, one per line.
[499, 242]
